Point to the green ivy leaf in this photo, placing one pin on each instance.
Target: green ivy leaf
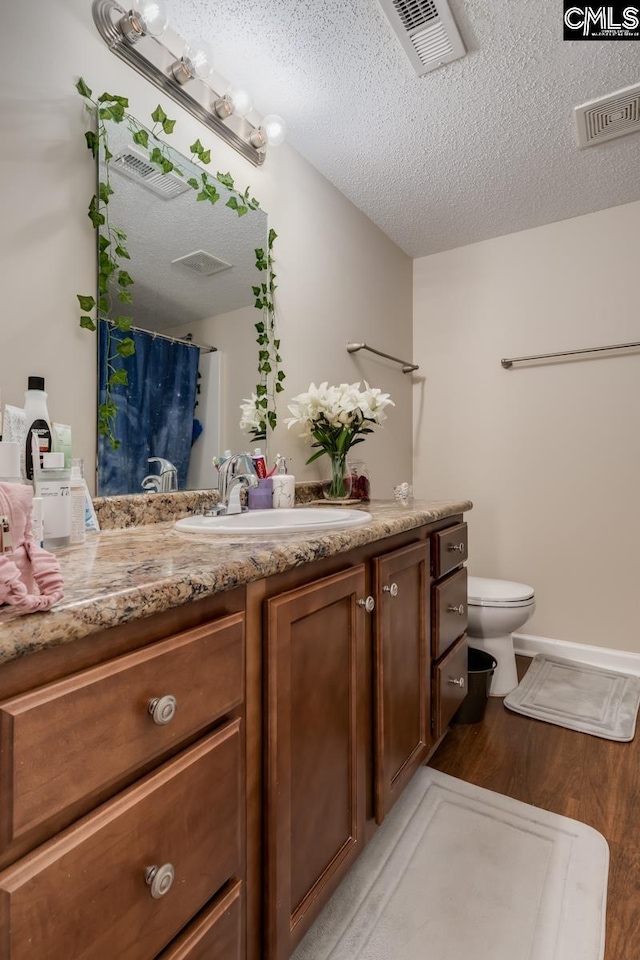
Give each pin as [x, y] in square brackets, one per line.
[258, 304]
[125, 296]
[168, 125]
[83, 89]
[119, 378]
[156, 156]
[97, 218]
[205, 156]
[279, 388]
[123, 323]
[259, 326]
[114, 99]
[226, 180]
[124, 280]
[281, 375]
[272, 237]
[122, 252]
[141, 137]
[266, 368]
[120, 234]
[104, 192]
[193, 183]
[203, 195]
[167, 165]
[92, 141]
[272, 418]
[107, 154]
[196, 148]
[87, 323]
[103, 304]
[158, 115]
[103, 243]
[126, 347]
[86, 303]
[261, 389]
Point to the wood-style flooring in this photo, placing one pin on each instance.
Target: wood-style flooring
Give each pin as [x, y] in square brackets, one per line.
[573, 774]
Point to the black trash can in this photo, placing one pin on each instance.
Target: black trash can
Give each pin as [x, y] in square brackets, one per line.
[480, 666]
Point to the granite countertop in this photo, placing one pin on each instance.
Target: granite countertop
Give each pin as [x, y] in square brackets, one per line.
[126, 574]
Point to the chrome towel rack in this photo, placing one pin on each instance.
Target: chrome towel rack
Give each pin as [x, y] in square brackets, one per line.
[508, 362]
[406, 366]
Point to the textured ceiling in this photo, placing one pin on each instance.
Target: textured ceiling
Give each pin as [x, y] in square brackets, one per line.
[482, 147]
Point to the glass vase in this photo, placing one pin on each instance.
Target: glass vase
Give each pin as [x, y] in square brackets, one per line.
[338, 486]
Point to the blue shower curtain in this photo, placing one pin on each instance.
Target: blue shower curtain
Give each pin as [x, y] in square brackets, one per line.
[155, 410]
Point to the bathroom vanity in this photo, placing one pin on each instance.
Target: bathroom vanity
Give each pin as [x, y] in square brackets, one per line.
[195, 747]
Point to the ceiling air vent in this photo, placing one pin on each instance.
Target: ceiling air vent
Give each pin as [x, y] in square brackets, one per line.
[609, 117]
[427, 31]
[203, 263]
[136, 166]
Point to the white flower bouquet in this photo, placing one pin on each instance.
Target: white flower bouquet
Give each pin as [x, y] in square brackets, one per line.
[336, 418]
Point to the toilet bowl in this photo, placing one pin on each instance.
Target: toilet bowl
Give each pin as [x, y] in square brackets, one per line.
[496, 609]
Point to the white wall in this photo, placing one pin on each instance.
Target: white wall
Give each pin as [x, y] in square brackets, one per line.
[339, 277]
[550, 453]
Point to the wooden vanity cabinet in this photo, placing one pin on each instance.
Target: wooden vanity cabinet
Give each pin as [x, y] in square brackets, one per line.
[402, 719]
[449, 676]
[315, 745]
[122, 795]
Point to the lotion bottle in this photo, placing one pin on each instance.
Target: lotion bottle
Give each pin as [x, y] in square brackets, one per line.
[53, 484]
[284, 486]
[37, 421]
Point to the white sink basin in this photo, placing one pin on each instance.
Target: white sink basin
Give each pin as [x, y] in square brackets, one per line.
[298, 520]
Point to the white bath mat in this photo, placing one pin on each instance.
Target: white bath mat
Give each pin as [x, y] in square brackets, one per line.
[461, 873]
[578, 696]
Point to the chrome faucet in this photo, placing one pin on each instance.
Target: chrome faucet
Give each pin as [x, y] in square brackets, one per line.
[235, 473]
[163, 482]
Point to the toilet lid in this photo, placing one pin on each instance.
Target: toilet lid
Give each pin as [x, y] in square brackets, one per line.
[487, 591]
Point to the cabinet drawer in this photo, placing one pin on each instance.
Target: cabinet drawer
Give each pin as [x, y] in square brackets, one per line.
[450, 549]
[216, 934]
[449, 611]
[85, 895]
[64, 743]
[449, 685]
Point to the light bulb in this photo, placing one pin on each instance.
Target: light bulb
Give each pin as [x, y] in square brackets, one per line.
[200, 56]
[240, 100]
[153, 14]
[274, 129]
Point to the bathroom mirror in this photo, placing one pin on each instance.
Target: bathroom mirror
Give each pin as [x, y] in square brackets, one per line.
[193, 266]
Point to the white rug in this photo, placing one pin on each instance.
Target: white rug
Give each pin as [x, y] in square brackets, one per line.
[578, 696]
[460, 873]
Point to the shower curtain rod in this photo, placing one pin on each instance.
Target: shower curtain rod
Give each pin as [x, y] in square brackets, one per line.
[406, 366]
[508, 362]
[185, 341]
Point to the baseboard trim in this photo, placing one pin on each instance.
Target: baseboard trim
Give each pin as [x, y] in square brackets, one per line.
[622, 660]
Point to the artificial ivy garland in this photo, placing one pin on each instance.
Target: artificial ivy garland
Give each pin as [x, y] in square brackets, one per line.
[112, 254]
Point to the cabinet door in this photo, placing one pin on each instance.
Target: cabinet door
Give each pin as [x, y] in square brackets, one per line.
[315, 751]
[401, 670]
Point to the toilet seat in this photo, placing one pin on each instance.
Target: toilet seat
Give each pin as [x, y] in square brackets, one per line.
[485, 592]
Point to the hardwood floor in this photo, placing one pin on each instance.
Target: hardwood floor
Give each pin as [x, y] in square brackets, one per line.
[592, 780]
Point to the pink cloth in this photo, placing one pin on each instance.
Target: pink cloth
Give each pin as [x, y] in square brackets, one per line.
[30, 577]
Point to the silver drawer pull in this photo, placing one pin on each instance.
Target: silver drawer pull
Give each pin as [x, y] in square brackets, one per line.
[391, 588]
[369, 604]
[456, 547]
[459, 609]
[163, 709]
[458, 682]
[160, 879]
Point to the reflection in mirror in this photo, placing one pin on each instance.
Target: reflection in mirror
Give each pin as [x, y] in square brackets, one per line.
[193, 266]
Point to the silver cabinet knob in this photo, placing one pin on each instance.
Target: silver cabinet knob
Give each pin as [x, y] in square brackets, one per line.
[368, 604]
[160, 879]
[458, 681]
[459, 609]
[457, 547]
[391, 589]
[163, 709]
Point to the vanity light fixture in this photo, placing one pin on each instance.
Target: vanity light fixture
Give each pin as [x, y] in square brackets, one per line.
[133, 35]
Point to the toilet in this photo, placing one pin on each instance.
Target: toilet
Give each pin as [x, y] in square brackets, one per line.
[496, 609]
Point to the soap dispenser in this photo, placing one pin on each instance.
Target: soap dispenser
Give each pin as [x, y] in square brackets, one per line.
[284, 485]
